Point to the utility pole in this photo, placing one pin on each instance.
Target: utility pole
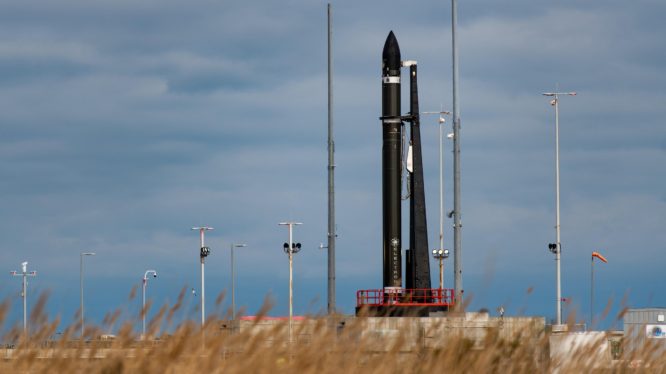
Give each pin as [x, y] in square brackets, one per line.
[143, 303]
[556, 247]
[457, 222]
[331, 173]
[290, 249]
[24, 292]
[83, 321]
[204, 252]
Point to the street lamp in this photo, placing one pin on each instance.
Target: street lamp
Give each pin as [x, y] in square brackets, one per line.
[290, 249]
[441, 179]
[81, 284]
[143, 304]
[440, 255]
[603, 259]
[24, 292]
[205, 251]
[233, 280]
[556, 247]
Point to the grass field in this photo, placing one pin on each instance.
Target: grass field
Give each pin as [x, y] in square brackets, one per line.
[326, 348]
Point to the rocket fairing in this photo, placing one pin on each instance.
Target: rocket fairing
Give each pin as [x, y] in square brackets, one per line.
[391, 168]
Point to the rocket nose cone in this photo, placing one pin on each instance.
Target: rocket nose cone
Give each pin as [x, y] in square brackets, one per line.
[391, 53]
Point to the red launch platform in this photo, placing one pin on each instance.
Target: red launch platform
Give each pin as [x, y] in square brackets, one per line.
[396, 302]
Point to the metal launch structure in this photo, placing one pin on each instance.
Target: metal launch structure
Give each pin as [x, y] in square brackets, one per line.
[416, 298]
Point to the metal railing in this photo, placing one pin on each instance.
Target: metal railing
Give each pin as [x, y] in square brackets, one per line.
[405, 297]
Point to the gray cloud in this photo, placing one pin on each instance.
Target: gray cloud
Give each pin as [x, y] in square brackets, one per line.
[125, 123]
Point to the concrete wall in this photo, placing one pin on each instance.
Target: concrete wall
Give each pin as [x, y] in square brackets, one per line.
[406, 334]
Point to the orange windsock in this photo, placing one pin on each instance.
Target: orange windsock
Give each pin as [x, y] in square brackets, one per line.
[599, 256]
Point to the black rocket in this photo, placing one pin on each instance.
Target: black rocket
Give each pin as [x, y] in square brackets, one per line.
[391, 166]
[417, 272]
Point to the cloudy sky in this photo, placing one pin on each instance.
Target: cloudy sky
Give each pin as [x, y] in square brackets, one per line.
[125, 123]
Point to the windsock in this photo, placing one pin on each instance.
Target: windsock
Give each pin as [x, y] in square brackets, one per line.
[599, 256]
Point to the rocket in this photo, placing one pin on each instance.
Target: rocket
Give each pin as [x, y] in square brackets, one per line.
[391, 168]
[417, 272]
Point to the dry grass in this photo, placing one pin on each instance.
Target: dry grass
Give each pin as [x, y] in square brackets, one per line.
[319, 345]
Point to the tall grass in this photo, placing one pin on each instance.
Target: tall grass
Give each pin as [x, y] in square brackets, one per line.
[318, 345]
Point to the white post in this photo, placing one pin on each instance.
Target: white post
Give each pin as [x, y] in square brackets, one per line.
[592, 293]
[143, 304]
[81, 294]
[25, 305]
[202, 255]
[437, 253]
[81, 291]
[441, 189]
[143, 309]
[441, 274]
[233, 280]
[203, 288]
[233, 287]
[291, 249]
[291, 282]
[557, 211]
[24, 292]
[558, 245]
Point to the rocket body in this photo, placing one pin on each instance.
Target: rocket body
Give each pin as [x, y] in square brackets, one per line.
[391, 163]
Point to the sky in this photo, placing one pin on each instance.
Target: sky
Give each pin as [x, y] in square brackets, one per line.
[125, 123]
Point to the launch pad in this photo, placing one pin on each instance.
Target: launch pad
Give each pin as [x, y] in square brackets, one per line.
[402, 302]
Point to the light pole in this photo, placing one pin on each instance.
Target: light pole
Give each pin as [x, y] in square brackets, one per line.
[290, 248]
[233, 280]
[205, 251]
[457, 209]
[143, 304]
[81, 284]
[603, 259]
[440, 255]
[441, 178]
[556, 247]
[24, 292]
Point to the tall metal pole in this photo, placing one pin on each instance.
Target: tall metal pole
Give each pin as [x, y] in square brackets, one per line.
[143, 309]
[558, 245]
[24, 292]
[441, 188]
[25, 304]
[441, 273]
[203, 254]
[233, 280]
[331, 173]
[143, 304]
[557, 211]
[291, 283]
[203, 288]
[81, 294]
[457, 224]
[592, 292]
[81, 291]
[233, 286]
[291, 249]
[440, 123]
